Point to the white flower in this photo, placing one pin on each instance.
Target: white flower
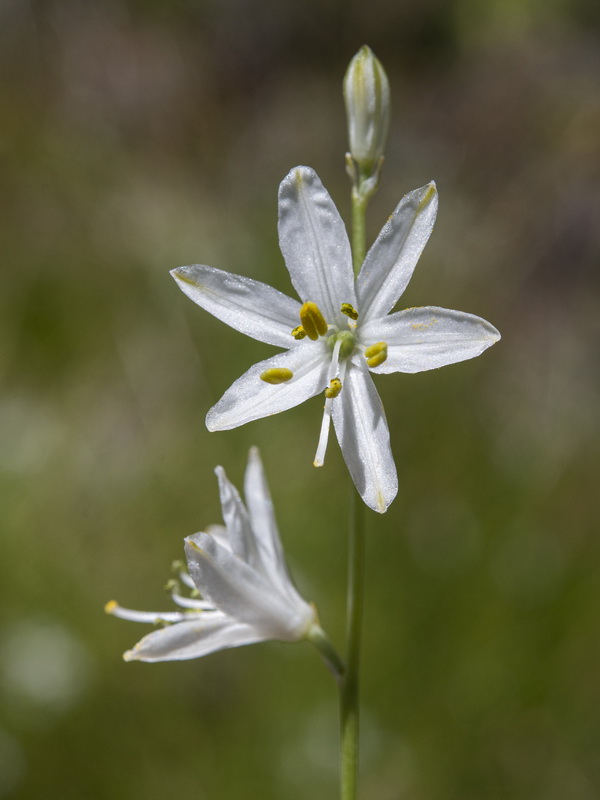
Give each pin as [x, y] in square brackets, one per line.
[239, 571]
[346, 329]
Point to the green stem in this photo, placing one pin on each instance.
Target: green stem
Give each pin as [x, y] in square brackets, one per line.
[359, 228]
[349, 686]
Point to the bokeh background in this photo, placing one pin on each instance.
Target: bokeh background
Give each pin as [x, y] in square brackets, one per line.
[139, 136]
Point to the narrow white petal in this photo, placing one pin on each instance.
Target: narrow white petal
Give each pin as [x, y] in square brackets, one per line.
[219, 532]
[240, 537]
[262, 515]
[363, 434]
[419, 339]
[243, 593]
[314, 243]
[264, 525]
[251, 398]
[391, 261]
[249, 306]
[192, 639]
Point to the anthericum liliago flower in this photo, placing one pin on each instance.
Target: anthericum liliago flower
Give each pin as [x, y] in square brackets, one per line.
[341, 331]
[239, 590]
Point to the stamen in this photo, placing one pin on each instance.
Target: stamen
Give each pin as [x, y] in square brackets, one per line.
[299, 332]
[155, 617]
[277, 375]
[334, 388]
[184, 576]
[313, 321]
[172, 586]
[376, 354]
[349, 310]
[187, 602]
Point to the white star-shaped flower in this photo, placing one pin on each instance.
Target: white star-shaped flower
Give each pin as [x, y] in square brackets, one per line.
[239, 572]
[341, 331]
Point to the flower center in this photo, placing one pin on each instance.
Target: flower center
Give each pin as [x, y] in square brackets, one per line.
[347, 342]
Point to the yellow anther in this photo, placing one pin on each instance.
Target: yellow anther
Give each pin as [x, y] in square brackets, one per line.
[312, 320]
[277, 375]
[334, 388]
[376, 354]
[349, 310]
[110, 606]
[299, 332]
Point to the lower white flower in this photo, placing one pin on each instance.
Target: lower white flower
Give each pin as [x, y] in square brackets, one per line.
[238, 570]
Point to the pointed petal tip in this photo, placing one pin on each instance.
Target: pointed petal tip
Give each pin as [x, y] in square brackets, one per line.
[297, 175]
[189, 541]
[220, 472]
[185, 275]
[180, 273]
[210, 423]
[429, 195]
[380, 504]
[130, 655]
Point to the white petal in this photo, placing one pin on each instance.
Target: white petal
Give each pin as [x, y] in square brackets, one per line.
[243, 593]
[391, 261]
[249, 306]
[219, 532]
[192, 639]
[363, 434]
[314, 243]
[251, 398]
[240, 538]
[262, 514]
[427, 338]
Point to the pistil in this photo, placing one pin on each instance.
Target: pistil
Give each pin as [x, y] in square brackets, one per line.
[335, 383]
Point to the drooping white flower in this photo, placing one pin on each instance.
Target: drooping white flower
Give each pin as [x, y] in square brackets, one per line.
[345, 330]
[238, 570]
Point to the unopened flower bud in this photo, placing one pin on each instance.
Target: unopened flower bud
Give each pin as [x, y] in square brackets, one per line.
[367, 98]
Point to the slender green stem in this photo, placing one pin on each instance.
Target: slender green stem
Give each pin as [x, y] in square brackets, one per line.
[359, 234]
[349, 686]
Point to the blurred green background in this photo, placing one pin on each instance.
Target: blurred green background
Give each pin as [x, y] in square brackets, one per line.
[139, 136]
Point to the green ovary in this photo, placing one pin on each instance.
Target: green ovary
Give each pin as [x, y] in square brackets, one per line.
[347, 342]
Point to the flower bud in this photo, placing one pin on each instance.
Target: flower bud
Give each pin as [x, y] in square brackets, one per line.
[367, 98]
